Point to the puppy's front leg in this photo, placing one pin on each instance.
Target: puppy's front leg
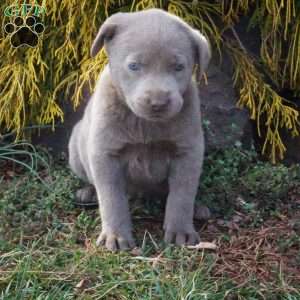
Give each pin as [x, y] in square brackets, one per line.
[183, 185]
[110, 186]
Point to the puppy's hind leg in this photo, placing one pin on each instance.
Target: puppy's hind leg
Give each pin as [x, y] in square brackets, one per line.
[74, 156]
[201, 212]
[86, 196]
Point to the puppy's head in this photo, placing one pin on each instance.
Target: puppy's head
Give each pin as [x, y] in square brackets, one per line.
[151, 57]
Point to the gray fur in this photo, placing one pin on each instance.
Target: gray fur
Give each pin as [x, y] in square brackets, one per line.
[142, 129]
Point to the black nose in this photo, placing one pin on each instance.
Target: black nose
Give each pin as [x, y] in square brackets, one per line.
[160, 106]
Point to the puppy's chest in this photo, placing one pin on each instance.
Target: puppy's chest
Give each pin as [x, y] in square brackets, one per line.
[148, 162]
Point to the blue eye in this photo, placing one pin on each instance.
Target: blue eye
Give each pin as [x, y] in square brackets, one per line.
[179, 67]
[134, 66]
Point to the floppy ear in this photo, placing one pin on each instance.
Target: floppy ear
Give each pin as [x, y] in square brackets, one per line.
[203, 53]
[105, 33]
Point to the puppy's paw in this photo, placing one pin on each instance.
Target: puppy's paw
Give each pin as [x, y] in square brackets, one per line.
[201, 212]
[86, 196]
[114, 241]
[184, 236]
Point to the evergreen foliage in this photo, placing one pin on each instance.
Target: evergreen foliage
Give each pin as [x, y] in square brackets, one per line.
[34, 81]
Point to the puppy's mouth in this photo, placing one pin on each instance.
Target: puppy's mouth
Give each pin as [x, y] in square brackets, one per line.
[156, 116]
[152, 113]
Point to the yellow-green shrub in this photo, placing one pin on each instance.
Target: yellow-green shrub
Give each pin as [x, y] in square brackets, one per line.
[34, 81]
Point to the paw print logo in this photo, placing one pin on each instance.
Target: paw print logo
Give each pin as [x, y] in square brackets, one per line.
[24, 31]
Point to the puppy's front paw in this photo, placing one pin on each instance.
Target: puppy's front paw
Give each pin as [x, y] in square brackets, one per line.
[181, 236]
[114, 241]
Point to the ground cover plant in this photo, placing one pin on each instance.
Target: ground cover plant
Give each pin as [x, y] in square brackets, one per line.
[47, 245]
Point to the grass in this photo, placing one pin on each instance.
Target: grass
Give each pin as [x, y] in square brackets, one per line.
[47, 246]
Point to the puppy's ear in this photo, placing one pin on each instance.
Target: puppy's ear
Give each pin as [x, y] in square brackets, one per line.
[203, 52]
[107, 32]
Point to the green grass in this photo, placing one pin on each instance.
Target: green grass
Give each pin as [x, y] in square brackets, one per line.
[47, 246]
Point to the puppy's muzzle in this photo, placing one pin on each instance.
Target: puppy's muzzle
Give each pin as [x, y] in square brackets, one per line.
[158, 102]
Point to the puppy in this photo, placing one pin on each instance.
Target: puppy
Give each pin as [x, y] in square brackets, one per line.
[141, 129]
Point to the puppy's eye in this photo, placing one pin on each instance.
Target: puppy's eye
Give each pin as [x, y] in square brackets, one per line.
[179, 67]
[134, 66]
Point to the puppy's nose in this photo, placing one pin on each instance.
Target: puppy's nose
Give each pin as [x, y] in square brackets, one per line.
[160, 101]
[161, 105]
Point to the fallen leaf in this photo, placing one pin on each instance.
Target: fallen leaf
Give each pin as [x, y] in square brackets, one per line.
[237, 219]
[136, 251]
[80, 284]
[88, 244]
[204, 245]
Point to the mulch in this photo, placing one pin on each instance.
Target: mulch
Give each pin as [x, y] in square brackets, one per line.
[268, 253]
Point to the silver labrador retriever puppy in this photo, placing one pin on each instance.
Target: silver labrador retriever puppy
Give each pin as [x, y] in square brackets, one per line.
[142, 127]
